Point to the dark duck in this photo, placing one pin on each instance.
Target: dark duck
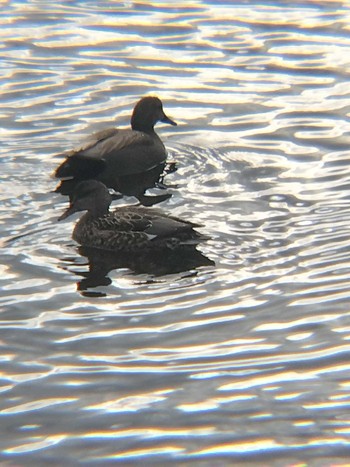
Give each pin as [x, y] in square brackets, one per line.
[128, 160]
[128, 228]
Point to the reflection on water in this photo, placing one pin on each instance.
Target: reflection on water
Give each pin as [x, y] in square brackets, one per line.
[175, 359]
[132, 185]
[154, 263]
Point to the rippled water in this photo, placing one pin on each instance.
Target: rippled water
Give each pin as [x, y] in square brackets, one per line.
[242, 361]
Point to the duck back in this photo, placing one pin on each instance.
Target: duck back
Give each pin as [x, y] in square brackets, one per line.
[136, 229]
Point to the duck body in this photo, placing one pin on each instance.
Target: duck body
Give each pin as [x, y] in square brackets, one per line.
[127, 229]
[128, 160]
[134, 228]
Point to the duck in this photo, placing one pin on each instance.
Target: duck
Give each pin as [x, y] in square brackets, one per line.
[128, 160]
[128, 228]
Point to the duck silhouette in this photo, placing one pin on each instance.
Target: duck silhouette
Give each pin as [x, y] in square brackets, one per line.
[128, 228]
[128, 160]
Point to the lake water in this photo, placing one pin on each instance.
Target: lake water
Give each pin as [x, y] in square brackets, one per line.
[241, 359]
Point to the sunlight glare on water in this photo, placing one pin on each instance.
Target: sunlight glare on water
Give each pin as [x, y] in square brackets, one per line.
[238, 354]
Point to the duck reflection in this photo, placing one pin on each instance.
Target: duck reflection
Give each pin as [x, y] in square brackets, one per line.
[155, 264]
[129, 185]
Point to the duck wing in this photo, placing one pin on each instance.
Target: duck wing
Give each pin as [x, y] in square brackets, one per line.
[136, 229]
[130, 152]
[161, 227]
[122, 221]
[153, 222]
[112, 232]
[113, 152]
[111, 141]
[84, 161]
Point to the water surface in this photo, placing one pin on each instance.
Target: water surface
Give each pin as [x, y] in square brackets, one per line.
[241, 359]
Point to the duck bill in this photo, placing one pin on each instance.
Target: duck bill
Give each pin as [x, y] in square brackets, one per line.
[166, 119]
[68, 212]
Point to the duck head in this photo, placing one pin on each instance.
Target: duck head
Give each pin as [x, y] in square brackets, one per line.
[89, 195]
[147, 112]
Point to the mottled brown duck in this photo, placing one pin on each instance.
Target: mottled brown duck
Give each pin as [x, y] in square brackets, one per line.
[128, 228]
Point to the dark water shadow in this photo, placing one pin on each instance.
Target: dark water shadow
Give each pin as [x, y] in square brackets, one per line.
[154, 264]
[130, 185]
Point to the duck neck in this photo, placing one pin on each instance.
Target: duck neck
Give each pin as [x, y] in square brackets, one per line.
[139, 124]
[97, 211]
[99, 204]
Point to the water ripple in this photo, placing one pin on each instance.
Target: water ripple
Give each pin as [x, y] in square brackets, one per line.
[241, 356]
